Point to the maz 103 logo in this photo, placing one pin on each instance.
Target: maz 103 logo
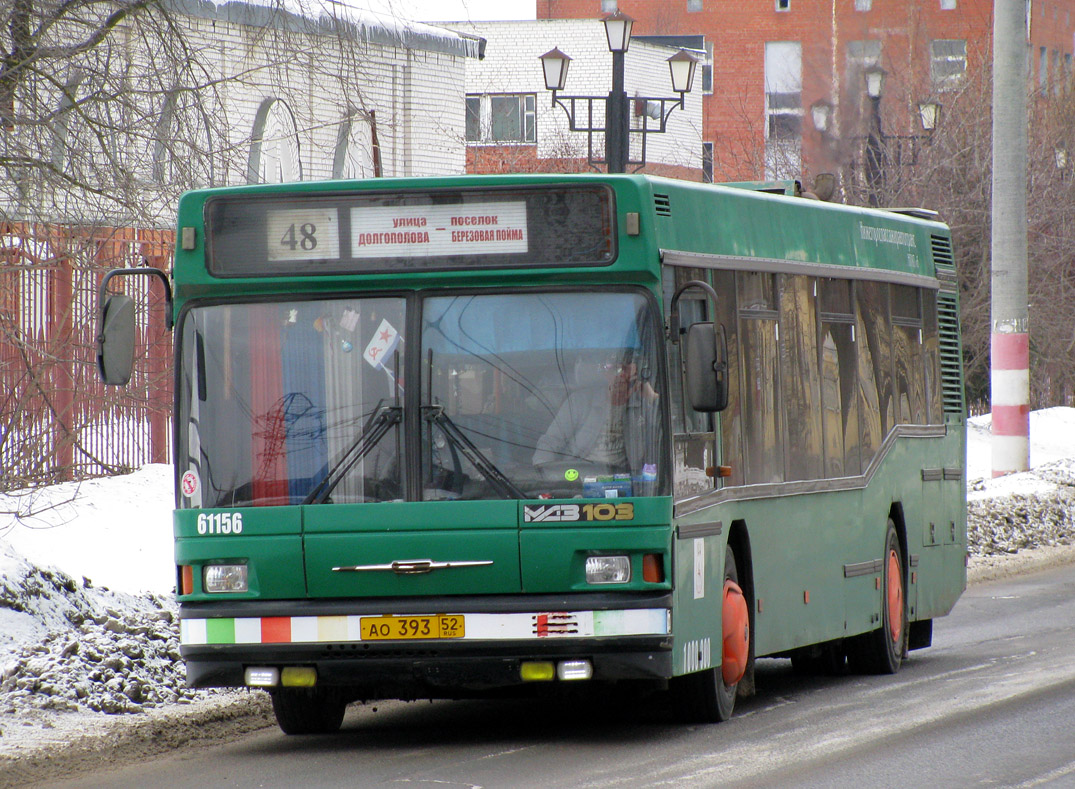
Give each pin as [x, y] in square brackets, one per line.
[602, 511]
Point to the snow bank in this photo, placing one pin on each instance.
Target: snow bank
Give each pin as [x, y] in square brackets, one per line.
[116, 531]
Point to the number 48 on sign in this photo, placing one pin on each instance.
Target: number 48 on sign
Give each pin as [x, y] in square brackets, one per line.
[303, 234]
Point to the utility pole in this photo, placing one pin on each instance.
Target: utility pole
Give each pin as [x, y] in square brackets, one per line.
[1010, 341]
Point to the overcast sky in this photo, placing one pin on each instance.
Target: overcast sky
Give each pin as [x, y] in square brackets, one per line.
[452, 10]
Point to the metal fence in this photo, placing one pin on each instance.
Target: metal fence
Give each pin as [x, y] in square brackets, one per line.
[57, 421]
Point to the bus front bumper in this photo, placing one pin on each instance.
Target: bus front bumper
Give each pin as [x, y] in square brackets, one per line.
[377, 648]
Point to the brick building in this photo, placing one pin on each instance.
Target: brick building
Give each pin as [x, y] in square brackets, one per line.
[785, 79]
[512, 125]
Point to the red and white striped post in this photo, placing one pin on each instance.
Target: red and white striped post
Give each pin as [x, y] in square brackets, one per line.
[1010, 379]
[1010, 382]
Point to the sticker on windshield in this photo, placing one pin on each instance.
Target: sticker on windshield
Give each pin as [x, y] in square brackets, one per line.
[382, 346]
[190, 484]
[571, 474]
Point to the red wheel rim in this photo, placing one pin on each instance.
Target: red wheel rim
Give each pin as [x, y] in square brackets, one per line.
[895, 596]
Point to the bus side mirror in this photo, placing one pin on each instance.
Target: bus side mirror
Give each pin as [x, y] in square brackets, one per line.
[706, 354]
[115, 340]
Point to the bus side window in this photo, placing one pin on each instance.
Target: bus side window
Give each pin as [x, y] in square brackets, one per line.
[693, 441]
[875, 366]
[800, 378]
[839, 380]
[907, 350]
[931, 358]
[731, 418]
[763, 428]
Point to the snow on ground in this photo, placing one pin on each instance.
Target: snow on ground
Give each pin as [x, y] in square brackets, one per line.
[88, 630]
[1034, 509]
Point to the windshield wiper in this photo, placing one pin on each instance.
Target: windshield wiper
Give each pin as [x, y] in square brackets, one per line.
[504, 486]
[379, 423]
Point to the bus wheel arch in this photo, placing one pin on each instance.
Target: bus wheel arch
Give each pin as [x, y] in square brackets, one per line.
[881, 651]
[705, 696]
[895, 516]
[739, 542]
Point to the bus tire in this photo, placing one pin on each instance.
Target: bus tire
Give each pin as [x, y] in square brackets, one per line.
[703, 697]
[882, 651]
[308, 710]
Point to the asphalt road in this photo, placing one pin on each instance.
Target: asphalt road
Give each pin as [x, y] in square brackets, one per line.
[992, 703]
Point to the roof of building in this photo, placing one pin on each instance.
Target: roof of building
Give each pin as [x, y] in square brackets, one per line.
[333, 17]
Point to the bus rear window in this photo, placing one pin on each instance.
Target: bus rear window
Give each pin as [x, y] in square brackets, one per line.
[451, 229]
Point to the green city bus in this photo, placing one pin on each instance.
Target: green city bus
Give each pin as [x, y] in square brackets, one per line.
[452, 437]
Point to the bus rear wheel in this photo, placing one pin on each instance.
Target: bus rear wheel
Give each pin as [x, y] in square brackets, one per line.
[308, 710]
[882, 651]
[708, 696]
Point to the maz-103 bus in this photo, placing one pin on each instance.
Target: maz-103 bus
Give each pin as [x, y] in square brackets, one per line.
[436, 438]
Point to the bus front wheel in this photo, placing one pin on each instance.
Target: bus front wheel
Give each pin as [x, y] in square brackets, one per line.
[708, 696]
[882, 651]
[308, 710]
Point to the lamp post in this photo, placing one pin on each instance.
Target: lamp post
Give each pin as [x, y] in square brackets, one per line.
[883, 149]
[821, 115]
[875, 80]
[615, 127]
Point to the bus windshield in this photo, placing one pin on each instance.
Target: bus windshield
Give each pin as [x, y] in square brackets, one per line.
[521, 395]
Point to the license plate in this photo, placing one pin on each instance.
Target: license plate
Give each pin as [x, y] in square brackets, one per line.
[390, 628]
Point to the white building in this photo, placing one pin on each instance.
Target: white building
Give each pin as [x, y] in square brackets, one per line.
[194, 93]
[354, 81]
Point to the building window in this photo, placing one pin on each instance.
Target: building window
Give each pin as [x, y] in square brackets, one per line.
[501, 118]
[783, 5]
[783, 89]
[707, 69]
[513, 118]
[355, 157]
[474, 118]
[948, 63]
[948, 5]
[783, 109]
[1043, 70]
[183, 131]
[274, 146]
[693, 6]
[860, 56]
[707, 162]
[863, 5]
[609, 6]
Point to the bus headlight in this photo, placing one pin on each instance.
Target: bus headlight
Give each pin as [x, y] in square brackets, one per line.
[608, 569]
[225, 578]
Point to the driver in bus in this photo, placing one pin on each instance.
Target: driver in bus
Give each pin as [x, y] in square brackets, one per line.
[601, 422]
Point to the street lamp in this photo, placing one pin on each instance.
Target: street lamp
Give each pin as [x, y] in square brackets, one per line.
[618, 31]
[883, 149]
[555, 63]
[821, 115]
[929, 113]
[616, 127]
[875, 82]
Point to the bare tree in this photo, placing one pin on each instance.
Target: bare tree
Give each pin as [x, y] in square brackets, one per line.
[109, 110]
[950, 171]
